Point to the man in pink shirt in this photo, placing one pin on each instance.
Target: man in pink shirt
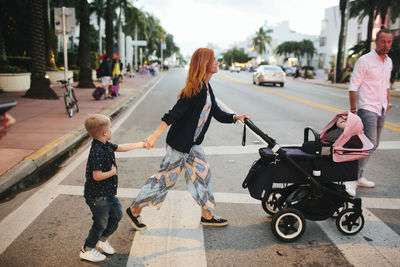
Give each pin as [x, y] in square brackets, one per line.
[370, 97]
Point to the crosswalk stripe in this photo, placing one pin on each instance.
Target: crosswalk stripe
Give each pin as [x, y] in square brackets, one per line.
[376, 240]
[229, 150]
[233, 198]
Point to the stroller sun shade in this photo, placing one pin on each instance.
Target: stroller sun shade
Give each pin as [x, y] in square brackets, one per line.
[345, 133]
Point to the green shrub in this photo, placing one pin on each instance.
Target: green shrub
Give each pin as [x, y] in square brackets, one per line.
[12, 69]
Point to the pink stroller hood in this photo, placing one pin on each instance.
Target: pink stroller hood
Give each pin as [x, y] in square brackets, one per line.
[342, 148]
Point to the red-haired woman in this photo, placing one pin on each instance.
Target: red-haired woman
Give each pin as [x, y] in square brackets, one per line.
[189, 120]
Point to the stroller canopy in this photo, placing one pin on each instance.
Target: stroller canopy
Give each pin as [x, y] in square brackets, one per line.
[350, 142]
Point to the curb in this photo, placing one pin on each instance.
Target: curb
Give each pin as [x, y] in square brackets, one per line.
[60, 146]
[396, 92]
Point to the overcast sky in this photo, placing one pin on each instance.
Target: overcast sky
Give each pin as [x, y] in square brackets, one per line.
[195, 23]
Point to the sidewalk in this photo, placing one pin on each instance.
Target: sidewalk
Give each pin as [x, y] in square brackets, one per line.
[395, 92]
[43, 131]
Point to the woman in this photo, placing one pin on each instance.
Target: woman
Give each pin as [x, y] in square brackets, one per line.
[189, 120]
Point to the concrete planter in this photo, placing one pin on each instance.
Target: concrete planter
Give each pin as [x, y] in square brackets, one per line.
[54, 76]
[11, 82]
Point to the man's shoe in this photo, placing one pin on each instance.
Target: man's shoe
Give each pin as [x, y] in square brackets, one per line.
[92, 255]
[214, 221]
[351, 188]
[105, 247]
[136, 222]
[363, 182]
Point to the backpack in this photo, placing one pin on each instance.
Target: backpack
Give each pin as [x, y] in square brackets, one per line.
[101, 70]
[98, 92]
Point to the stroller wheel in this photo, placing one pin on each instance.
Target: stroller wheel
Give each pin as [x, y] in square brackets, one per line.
[274, 202]
[345, 205]
[288, 224]
[349, 223]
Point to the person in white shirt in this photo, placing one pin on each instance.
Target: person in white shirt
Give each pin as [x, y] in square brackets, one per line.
[370, 97]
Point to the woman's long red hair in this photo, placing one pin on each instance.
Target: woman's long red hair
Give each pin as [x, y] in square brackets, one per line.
[201, 60]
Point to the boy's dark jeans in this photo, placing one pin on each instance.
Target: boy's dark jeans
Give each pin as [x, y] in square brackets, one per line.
[107, 212]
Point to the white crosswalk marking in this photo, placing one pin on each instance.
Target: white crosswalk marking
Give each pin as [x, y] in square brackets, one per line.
[228, 150]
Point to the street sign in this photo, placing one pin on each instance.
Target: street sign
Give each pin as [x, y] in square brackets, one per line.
[163, 45]
[69, 20]
[139, 43]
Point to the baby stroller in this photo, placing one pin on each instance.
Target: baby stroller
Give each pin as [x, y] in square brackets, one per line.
[312, 176]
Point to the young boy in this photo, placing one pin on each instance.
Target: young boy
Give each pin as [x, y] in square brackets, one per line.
[101, 187]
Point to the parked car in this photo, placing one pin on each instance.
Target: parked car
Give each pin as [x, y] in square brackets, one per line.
[234, 69]
[269, 74]
[290, 71]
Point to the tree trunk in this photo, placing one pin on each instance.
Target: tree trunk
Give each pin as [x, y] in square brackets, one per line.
[109, 31]
[40, 85]
[100, 40]
[371, 17]
[3, 54]
[339, 62]
[85, 71]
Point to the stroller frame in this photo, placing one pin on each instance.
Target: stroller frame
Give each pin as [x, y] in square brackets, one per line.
[313, 198]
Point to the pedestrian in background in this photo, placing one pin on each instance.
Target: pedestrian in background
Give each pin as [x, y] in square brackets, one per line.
[105, 74]
[369, 94]
[101, 187]
[189, 119]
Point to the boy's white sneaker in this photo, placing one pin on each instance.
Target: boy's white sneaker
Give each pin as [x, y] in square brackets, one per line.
[91, 255]
[363, 182]
[105, 247]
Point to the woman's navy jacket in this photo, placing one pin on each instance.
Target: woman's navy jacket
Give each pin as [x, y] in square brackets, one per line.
[184, 117]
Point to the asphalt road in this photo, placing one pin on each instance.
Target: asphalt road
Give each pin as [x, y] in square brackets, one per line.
[47, 225]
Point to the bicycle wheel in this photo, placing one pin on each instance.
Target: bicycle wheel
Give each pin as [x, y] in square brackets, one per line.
[75, 104]
[68, 106]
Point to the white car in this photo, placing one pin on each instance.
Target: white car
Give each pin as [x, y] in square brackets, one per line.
[234, 69]
[269, 74]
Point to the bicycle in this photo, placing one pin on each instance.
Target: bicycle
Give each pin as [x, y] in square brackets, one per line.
[70, 100]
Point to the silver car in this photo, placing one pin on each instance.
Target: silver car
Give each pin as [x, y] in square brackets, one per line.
[269, 74]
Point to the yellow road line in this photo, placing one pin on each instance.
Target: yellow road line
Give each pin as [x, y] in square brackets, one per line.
[388, 125]
[48, 148]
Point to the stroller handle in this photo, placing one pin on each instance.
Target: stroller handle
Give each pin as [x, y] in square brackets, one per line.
[271, 142]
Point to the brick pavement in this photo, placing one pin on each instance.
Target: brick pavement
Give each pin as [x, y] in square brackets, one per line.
[43, 129]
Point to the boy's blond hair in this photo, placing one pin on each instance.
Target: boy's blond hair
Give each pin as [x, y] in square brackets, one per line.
[95, 123]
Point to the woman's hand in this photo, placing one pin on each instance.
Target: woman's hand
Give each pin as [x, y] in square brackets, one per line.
[242, 117]
[149, 142]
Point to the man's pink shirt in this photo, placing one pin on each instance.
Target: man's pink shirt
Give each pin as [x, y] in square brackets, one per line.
[371, 79]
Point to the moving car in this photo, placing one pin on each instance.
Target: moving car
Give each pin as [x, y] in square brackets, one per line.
[234, 68]
[269, 74]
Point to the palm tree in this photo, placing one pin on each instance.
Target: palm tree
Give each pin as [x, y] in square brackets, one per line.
[85, 70]
[343, 28]
[363, 8]
[109, 29]
[98, 6]
[123, 5]
[306, 47]
[260, 39]
[153, 33]
[40, 85]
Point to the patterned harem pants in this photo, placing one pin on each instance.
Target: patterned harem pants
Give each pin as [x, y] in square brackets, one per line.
[197, 176]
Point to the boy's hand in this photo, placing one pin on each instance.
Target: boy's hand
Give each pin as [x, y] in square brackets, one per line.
[114, 170]
[149, 142]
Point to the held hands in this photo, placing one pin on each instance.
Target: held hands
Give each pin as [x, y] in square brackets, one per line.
[242, 117]
[149, 142]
